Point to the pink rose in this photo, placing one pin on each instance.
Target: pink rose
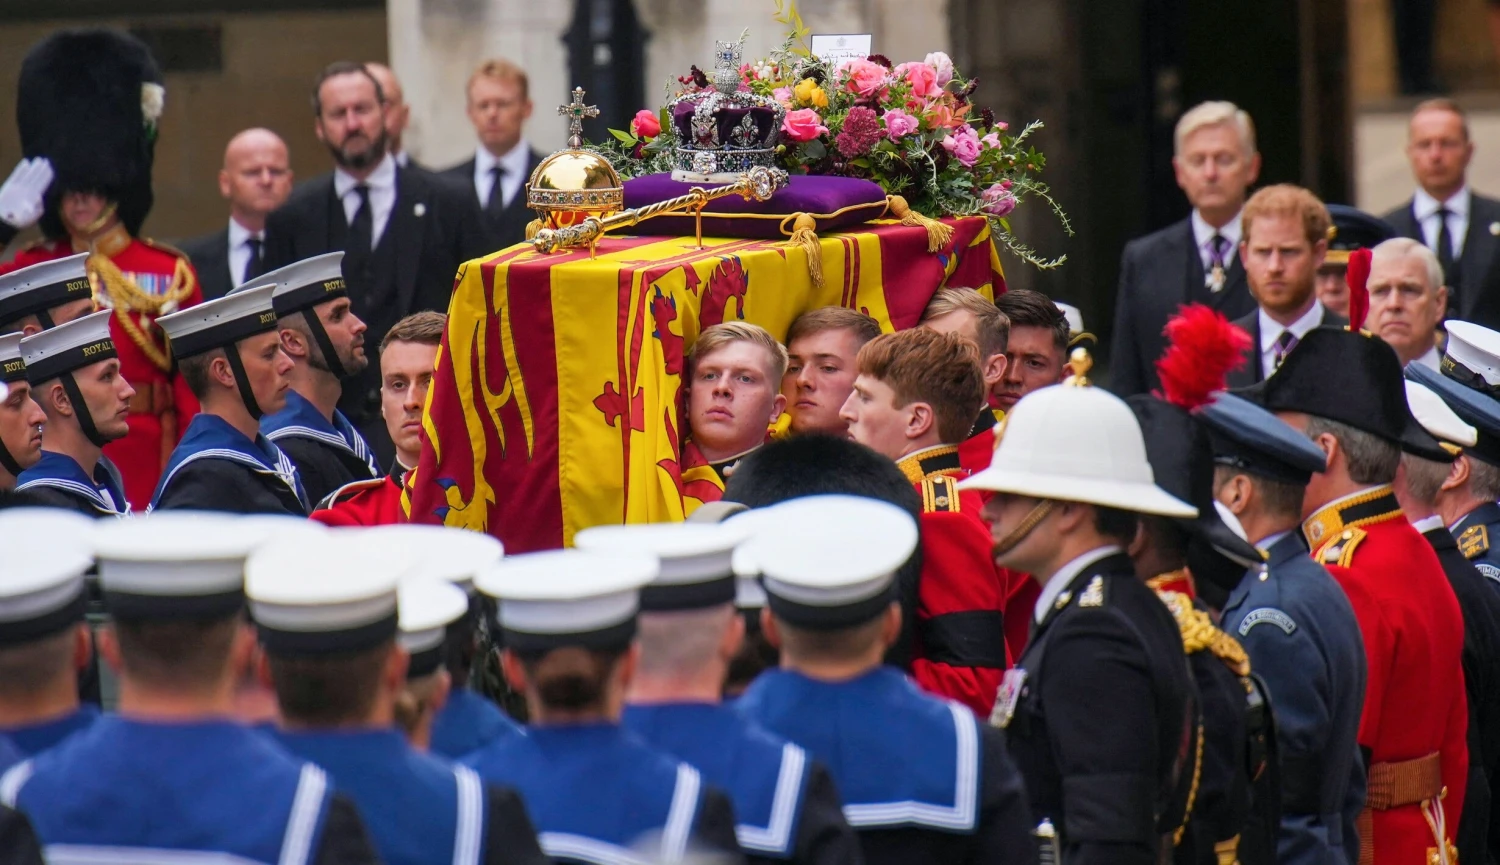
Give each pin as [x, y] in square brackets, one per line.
[941, 64]
[998, 200]
[963, 143]
[645, 125]
[899, 124]
[804, 124]
[922, 78]
[991, 141]
[782, 95]
[864, 78]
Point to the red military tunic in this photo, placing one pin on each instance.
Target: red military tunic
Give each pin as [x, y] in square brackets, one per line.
[163, 405]
[958, 647]
[1415, 712]
[975, 451]
[373, 502]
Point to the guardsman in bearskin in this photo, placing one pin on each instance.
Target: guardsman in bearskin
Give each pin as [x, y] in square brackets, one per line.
[1100, 712]
[1344, 391]
[107, 81]
[914, 399]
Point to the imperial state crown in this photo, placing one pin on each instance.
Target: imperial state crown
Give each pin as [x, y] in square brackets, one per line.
[724, 131]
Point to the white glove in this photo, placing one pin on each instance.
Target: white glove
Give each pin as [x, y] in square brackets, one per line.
[21, 195]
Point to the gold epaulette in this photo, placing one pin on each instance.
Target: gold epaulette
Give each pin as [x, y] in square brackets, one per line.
[1200, 633]
[939, 495]
[1339, 549]
[1474, 541]
[165, 247]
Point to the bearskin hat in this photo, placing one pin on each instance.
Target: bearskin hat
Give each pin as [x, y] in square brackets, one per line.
[90, 101]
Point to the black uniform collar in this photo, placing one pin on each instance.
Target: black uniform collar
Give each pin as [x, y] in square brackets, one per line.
[929, 461]
[1084, 591]
[984, 423]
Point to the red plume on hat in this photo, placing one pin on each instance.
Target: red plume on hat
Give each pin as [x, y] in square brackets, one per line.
[1202, 348]
[1359, 295]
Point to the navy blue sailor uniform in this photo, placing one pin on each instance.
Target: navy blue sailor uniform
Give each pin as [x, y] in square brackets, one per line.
[328, 455]
[1116, 784]
[217, 468]
[42, 735]
[468, 722]
[1477, 533]
[57, 480]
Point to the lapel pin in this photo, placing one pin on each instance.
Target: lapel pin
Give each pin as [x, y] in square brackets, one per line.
[1495, 228]
[421, 210]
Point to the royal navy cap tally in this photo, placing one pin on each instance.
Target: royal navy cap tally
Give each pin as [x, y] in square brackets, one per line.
[46, 553]
[427, 607]
[325, 594]
[453, 555]
[1440, 421]
[304, 284]
[70, 346]
[697, 560]
[174, 565]
[568, 598]
[1471, 356]
[221, 322]
[830, 562]
[1475, 407]
[12, 362]
[34, 290]
[1246, 436]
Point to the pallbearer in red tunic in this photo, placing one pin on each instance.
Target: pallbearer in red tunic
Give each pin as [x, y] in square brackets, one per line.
[96, 204]
[916, 394]
[1345, 391]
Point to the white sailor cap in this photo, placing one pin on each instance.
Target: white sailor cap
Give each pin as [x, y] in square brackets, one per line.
[45, 552]
[1440, 421]
[174, 565]
[1472, 349]
[696, 559]
[427, 607]
[304, 284]
[325, 594]
[450, 554]
[1073, 314]
[830, 562]
[12, 362]
[221, 322]
[749, 594]
[74, 345]
[568, 598]
[34, 290]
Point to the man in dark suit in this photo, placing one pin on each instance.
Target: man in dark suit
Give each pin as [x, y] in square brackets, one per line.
[404, 233]
[1461, 227]
[1286, 239]
[1191, 261]
[498, 106]
[255, 180]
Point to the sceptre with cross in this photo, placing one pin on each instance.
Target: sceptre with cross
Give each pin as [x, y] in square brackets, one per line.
[576, 111]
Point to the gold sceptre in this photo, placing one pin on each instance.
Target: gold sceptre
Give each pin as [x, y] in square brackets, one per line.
[759, 184]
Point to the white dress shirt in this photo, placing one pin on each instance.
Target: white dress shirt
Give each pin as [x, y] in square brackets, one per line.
[1065, 574]
[1427, 524]
[239, 251]
[512, 177]
[382, 184]
[1204, 233]
[1432, 360]
[1425, 208]
[1270, 331]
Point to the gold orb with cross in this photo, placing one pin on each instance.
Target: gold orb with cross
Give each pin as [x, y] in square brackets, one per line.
[573, 184]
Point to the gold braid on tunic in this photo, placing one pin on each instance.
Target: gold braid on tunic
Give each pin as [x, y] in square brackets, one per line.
[113, 289]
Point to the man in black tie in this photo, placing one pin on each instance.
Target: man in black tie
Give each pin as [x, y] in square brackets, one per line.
[1461, 227]
[498, 106]
[1286, 240]
[404, 232]
[255, 180]
[1191, 261]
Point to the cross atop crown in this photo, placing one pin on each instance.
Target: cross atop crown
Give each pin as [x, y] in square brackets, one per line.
[727, 59]
[577, 112]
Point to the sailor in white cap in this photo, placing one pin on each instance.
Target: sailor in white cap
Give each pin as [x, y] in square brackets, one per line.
[45, 295]
[74, 374]
[218, 791]
[466, 721]
[596, 792]
[921, 778]
[230, 356]
[326, 612]
[44, 641]
[326, 342]
[785, 804]
[428, 609]
[1070, 476]
[21, 418]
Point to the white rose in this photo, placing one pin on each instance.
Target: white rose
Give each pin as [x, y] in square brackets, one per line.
[153, 98]
[943, 64]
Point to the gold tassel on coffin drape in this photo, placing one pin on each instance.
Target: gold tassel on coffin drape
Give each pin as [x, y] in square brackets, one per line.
[805, 237]
[938, 234]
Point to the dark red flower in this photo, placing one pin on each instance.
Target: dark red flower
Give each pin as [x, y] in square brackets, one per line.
[882, 60]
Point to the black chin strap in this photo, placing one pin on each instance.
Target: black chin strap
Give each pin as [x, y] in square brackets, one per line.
[325, 344]
[247, 393]
[44, 318]
[81, 410]
[9, 462]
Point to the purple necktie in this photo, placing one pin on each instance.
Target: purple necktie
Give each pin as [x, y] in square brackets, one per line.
[1218, 245]
[1284, 345]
